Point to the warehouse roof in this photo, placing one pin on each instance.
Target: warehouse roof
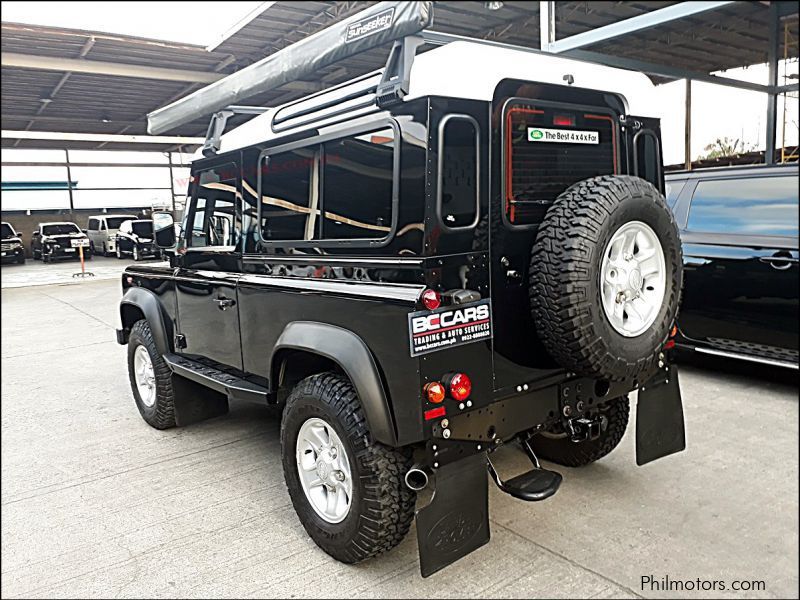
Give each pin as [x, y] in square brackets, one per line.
[61, 80]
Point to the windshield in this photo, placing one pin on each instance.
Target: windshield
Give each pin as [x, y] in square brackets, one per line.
[115, 222]
[143, 228]
[60, 229]
[7, 231]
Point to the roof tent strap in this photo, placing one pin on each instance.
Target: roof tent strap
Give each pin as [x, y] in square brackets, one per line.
[377, 25]
[397, 75]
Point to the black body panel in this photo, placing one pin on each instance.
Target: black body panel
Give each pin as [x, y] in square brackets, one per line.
[741, 284]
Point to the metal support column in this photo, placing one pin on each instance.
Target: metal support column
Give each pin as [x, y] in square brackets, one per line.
[772, 97]
[171, 182]
[547, 24]
[687, 129]
[69, 188]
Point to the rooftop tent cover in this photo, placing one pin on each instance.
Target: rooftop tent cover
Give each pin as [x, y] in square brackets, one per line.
[377, 25]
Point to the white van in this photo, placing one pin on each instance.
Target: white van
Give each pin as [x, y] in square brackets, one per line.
[102, 232]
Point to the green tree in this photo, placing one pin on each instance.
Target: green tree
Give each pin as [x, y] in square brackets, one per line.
[725, 146]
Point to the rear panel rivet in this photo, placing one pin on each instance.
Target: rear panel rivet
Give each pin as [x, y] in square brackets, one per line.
[469, 403]
[525, 387]
[434, 447]
[446, 433]
[461, 406]
[519, 388]
[445, 423]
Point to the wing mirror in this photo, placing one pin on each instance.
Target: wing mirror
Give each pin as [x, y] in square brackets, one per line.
[164, 230]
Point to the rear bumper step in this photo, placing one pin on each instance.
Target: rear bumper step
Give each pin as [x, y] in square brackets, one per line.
[535, 485]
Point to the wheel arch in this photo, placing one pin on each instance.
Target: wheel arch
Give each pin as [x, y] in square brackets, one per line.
[138, 303]
[337, 346]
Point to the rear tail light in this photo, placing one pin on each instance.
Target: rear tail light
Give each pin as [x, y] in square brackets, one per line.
[434, 391]
[669, 345]
[431, 299]
[563, 120]
[460, 387]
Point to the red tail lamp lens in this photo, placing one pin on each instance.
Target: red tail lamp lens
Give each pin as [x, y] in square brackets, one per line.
[460, 387]
[435, 392]
[431, 299]
[669, 345]
[563, 120]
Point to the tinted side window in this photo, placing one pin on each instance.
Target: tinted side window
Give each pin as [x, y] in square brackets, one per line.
[92, 225]
[289, 195]
[673, 190]
[358, 186]
[458, 179]
[755, 206]
[214, 217]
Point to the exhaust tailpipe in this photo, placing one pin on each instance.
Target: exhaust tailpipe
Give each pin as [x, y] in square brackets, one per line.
[417, 478]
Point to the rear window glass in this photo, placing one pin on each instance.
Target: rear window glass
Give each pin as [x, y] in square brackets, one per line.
[549, 149]
[753, 206]
[115, 222]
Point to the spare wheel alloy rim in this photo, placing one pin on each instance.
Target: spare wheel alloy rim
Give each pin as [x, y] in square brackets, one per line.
[633, 278]
[323, 467]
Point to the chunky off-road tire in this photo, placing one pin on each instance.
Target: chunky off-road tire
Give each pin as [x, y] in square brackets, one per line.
[560, 449]
[382, 506]
[565, 286]
[161, 414]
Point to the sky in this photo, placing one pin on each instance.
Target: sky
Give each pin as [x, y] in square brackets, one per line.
[717, 111]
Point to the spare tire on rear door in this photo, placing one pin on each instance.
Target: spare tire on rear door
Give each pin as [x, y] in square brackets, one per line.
[606, 273]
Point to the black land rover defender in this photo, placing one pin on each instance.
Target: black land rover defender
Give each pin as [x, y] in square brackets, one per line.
[416, 281]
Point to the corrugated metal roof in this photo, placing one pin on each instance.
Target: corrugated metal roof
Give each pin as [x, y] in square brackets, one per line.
[733, 36]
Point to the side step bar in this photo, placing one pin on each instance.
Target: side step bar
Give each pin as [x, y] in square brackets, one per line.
[236, 388]
[533, 486]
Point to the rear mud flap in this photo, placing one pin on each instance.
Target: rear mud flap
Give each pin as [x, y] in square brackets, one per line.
[456, 521]
[659, 418]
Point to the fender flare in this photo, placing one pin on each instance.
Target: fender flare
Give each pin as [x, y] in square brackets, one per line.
[350, 352]
[153, 312]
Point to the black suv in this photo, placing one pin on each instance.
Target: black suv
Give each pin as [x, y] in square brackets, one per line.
[12, 248]
[51, 241]
[740, 253]
[135, 237]
[416, 281]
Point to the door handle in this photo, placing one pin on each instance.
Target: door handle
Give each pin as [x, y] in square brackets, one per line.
[781, 263]
[224, 303]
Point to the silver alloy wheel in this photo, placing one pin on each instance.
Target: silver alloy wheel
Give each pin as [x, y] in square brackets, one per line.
[633, 278]
[145, 376]
[324, 470]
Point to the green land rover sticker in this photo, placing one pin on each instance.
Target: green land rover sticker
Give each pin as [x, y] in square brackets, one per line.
[564, 136]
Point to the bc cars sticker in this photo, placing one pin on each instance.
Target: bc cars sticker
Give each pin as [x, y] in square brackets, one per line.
[565, 136]
[429, 331]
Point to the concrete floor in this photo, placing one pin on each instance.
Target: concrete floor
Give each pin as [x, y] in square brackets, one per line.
[97, 504]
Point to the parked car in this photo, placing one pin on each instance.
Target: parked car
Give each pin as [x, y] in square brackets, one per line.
[51, 241]
[102, 232]
[740, 252]
[135, 237]
[418, 280]
[12, 248]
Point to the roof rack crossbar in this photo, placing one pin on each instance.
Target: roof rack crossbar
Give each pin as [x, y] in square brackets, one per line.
[396, 78]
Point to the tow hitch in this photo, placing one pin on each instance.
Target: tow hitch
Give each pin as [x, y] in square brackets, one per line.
[584, 429]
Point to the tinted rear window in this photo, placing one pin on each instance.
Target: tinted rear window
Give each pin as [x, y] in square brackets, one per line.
[753, 206]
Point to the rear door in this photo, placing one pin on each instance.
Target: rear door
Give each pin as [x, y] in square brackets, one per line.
[741, 265]
[208, 312]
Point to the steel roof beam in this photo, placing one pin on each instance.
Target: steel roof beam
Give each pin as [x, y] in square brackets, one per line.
[634, 24]
[100, 137]
[55, 63]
